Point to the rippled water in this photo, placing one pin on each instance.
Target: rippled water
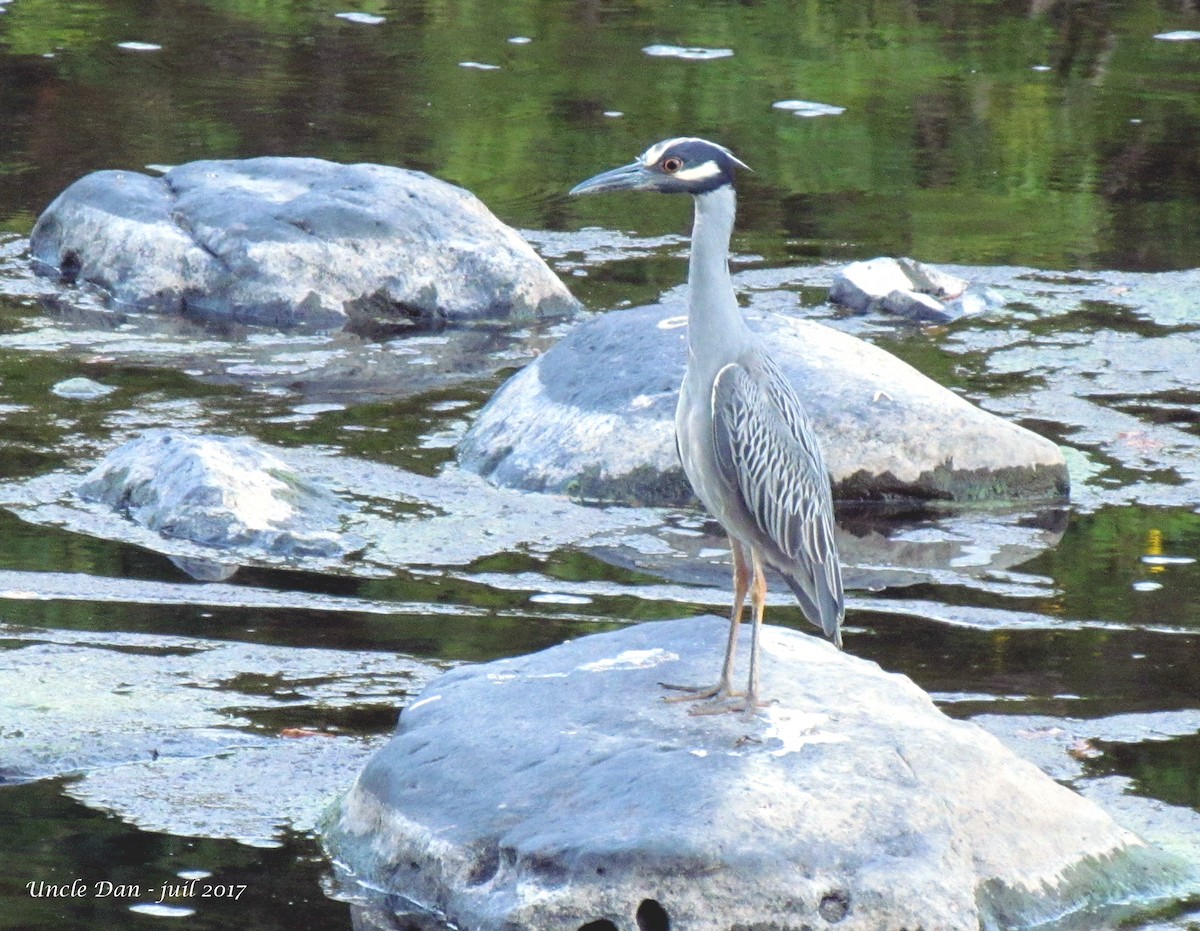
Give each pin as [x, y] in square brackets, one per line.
[153, 725]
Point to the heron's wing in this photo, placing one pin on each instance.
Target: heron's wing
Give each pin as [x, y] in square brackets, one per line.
[767, 454]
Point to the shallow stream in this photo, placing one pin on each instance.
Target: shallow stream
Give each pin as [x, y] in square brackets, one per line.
[155, 726]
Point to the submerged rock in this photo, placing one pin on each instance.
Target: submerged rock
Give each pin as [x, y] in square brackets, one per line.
[217, 491]
[293, 241]
[558, 791]
[909, 289]
[594, 417]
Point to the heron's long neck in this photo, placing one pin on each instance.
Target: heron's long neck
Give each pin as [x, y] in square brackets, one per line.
[715, 324]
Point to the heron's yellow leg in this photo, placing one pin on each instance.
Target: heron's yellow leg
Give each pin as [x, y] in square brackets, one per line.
[758, 599]
[747, 701]
[742, 574]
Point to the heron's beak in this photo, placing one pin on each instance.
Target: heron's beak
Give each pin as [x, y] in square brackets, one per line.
[633, 177]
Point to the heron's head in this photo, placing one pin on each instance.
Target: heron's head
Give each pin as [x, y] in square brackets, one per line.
[674, 166]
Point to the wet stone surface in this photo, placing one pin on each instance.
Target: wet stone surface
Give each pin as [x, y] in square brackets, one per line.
[850, 799]
[595, 417]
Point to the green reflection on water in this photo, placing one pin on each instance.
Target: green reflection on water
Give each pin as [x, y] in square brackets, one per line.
[51, 839]
[952, 147]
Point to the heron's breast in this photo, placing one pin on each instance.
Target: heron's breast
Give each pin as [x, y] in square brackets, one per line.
[694, 431]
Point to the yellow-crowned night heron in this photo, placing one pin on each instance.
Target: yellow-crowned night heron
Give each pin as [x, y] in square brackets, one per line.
[745, 441]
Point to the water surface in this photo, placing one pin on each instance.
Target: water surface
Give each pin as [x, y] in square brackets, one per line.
[1048, 149]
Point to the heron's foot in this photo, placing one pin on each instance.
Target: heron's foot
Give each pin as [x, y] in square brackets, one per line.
[738, 703]
[718, 692]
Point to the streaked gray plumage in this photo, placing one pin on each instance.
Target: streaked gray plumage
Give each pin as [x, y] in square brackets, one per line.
[744, 439]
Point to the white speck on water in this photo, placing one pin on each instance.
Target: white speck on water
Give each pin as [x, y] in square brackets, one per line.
[1180, 35]
[672, 323]
[809, 108]
[1146, 586]
[81, 389]
[689, 53]
[159, 910]
[631, 659]
[263, 843]
[140, 46]
[1041, 68]
[951, 698]
[1168, 560]
[365, 19]
[318, 408]
[613, 114]
[712, 552]
[193, 874]
[1137, 655]
[478, 65]
[442, 407]
[700, 753]
[424, 701]
[519, 40]
[559, 598]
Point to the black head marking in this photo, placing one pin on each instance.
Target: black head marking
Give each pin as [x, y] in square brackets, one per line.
[675, 166]
[688, 165]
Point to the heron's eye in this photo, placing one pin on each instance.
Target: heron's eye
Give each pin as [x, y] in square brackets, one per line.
[672, 164]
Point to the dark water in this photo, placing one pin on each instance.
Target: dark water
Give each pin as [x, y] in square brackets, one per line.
[1006, 137]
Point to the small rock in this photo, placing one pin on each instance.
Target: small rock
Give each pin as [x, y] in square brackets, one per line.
[860, 284]
[933, 281]
[903, 286]
[558, 790]
[973, 301]
[217, 491]
[81, 389]
[915, 306]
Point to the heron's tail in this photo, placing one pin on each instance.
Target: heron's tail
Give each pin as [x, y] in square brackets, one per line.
[822, 601]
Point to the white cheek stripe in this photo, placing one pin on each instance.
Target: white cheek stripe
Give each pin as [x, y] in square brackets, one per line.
[709, 169]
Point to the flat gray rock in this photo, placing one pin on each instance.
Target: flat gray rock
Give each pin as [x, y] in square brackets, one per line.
[557, 791]
[594, 417]
[293, 241]
[218, 491]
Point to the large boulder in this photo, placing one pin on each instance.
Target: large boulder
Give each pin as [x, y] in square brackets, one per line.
[594, 416]
[293, 241]
[228, 493]
[558, 791]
